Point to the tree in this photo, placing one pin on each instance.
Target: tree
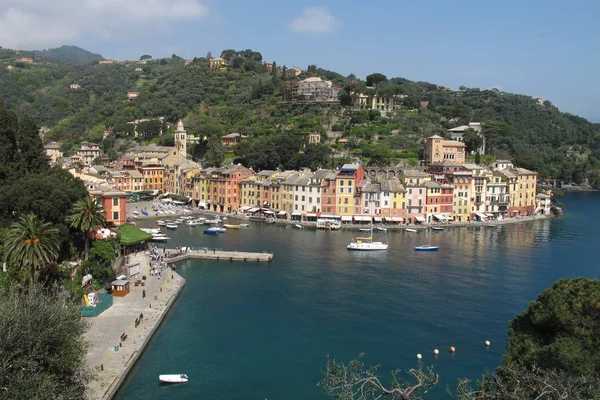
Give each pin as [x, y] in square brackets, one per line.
[274, 74]
[472, 140]
[42, 346]
[376, 78]
[31, 242]
[559, 330]
[87, 216]
[215, 152]
[355, 381]
[149, 128]
[146, 57]
[101, 260]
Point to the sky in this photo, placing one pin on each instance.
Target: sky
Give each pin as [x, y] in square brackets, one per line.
[546, 49]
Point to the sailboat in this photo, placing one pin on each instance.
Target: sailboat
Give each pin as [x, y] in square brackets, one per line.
[367, 243]
[427, 247]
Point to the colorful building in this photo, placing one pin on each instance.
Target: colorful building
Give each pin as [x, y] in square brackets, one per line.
[347, 178]
[437, 149]
[114, 203]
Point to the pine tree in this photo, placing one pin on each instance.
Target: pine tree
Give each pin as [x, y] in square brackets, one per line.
[274, 74]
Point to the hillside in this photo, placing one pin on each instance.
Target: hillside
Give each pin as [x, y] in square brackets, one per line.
[67, 55]
[247, 98]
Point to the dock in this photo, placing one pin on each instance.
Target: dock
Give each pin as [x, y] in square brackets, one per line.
[174, 255]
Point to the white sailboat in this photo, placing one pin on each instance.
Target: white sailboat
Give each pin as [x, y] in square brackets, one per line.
[367, 244]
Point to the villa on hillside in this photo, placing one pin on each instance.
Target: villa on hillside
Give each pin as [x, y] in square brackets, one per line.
[457, 134]
[218, 64]
[232, 139]
[437, 149]
[315, 89]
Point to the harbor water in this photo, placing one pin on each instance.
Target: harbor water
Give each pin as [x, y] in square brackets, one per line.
[263, 330]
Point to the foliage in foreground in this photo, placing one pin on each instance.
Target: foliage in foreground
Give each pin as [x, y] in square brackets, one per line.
[356, 381]
[42, 347]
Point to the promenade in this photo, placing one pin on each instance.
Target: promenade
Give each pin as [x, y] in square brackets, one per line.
[105, 331]
[218, 255]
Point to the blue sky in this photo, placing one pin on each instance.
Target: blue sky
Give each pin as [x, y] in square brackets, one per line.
[539, 48]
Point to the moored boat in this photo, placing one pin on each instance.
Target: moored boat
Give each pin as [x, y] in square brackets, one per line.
[173, 378]
[367, 244]
[437, 228]
[231, 226]
[426, 247]
[410, 230]
[159, 238]
[298, 226]
[171, 226]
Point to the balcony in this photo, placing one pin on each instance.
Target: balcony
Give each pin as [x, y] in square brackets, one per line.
[502, 201]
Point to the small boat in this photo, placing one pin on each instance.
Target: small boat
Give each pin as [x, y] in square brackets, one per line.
[231, 226]
[365, 230]
[411, 230]
[136, 213]
[152, 231]
[493, 226]
[426, 247]
[191, 223]
[271, 221]
[437, 228]
[161, 223]
[381, 229]
[145, 212]
[214, 231]
[245, 225]
[173, 378]
[211, 221]
[298, 226]
[171, 226]
[367, 244]
[159, 238]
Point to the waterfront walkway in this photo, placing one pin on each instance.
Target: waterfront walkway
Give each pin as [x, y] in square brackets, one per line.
[173, 255]
[108, 329]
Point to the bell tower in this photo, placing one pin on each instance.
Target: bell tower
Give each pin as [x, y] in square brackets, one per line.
[180, 141]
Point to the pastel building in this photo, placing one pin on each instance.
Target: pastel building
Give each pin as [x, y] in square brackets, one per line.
[114, 203]
[437, 149]
[347, 179]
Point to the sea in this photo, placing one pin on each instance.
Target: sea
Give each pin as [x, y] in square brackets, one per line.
[264, 330]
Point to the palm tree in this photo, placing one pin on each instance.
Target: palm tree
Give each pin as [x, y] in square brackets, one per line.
[87, 215]
[33, 242]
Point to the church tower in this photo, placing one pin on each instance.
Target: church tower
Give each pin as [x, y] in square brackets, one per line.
[180, 141]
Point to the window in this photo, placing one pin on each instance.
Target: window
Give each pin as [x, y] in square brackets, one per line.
[341, 183]
[349, 190]
[115, 215]
[349, 183]
[115, 202]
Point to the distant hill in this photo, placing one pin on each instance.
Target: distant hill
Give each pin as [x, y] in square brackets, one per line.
[250, 99]
[68, 55]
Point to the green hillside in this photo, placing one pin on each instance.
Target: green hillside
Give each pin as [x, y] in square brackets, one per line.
[67, 55]
[248, 98]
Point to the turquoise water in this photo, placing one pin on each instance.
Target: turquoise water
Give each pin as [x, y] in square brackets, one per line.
[255, 331]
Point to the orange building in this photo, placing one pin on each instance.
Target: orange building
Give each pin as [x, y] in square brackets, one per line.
[114, 203]
[437, 149]
[225, 184]
[154, 176]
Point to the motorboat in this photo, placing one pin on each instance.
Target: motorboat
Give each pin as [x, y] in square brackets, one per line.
[365, 229]
[367, 244]
[173, 378]
[211, 221]
[426, 247]
[411, 230]
[231, 226]
[191, 223]
[171, 226]
[245, 225]
[152, 231]
[161, 223]
[298, 226]
[437, 228]
[214, 230]
[379, 228]
[136, 212]
[159, 238]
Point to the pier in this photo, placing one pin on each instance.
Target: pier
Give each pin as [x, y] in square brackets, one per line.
[174, 255]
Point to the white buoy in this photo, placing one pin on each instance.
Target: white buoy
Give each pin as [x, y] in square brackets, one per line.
[419, 356]
[487, 343]
[436, 352]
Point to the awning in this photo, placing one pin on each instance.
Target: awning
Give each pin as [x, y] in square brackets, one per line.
[393, 219]
[364, 218]
[311, 215]
[325, 216]
[440, 217]
[253, 209]
[268, 212]
[347, 218]
[481, 216]
[131, 235]
[377, 219]
[282, 212]
[296, 214]
[420, 219]
[245, 208]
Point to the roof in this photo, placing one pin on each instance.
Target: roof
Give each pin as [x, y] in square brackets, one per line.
[119, 282]
[435, 137]
[232, 136]
[52, 145]
[453, 143]
[349, 167]
[432, 184]
[522, 171]
[131, 235]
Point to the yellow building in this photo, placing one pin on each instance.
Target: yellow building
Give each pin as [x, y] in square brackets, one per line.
[346, 180]
[437, 149]
[201, 188]
[218, 64]
[248, 190]
[522, 200]
[461, 204]
[395, 209]
[53, 151]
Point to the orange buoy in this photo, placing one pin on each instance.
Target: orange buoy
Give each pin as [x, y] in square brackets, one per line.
[452, 349]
